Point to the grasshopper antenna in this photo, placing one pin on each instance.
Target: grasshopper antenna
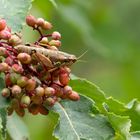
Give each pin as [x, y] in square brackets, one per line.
[81, 57]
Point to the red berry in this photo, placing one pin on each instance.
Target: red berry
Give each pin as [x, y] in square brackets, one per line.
[64, 78]
[2, 24]
[8, 81]
[9, 61]
[43, 110]
[17, 68]
[58, 90]
[33, 108]
[31, 20]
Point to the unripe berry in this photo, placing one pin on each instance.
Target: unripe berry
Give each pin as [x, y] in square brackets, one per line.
[17, 68]
[64, 78]
[40, 21]
[53, 48]
[56, 35]
[74, 96]
[47, 25]
[2, 24]
[4, 67]
[14, 40]
[44, 40]
[3, 52]
[14, 77]
[49, 101]
[31, 84]
[31, 20]
[25, 101]
[56, 43]
[5, 35]
[24, 58]
[22, 81]
[49, 91]
[5, 92]
[16, 90]
[40, 91]
[43, 110]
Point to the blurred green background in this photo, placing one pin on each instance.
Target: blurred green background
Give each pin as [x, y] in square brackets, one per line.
[110, 31]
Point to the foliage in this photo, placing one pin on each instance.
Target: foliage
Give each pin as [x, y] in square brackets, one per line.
[95, 116]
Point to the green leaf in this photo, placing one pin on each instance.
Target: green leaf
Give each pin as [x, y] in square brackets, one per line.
[3, 116]
[90, 90]
[135, 135]
[16, 128]
[78, 122]
[3, 101]
[121, 125]
[3, 105]
[53, 3]
[106, 105]
[14, 11]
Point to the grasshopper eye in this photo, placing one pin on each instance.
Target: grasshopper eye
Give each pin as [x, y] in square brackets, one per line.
[33, 51]
[57, 63]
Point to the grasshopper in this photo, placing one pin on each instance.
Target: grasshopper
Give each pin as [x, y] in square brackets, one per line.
[50, 58]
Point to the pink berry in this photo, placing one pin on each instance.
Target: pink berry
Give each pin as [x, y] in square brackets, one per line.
[17, 68]
[40, 21]
[74, 96]
[2, 24]
[56, 35]
[5, 35]
[31, 20]
[16, 90]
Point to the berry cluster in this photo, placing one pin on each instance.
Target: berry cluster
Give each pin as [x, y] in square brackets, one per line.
[32, 81]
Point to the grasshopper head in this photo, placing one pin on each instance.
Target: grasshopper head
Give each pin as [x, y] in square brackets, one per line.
[70, 60]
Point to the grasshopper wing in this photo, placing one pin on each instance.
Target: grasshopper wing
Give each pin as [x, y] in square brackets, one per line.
[43, 59]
